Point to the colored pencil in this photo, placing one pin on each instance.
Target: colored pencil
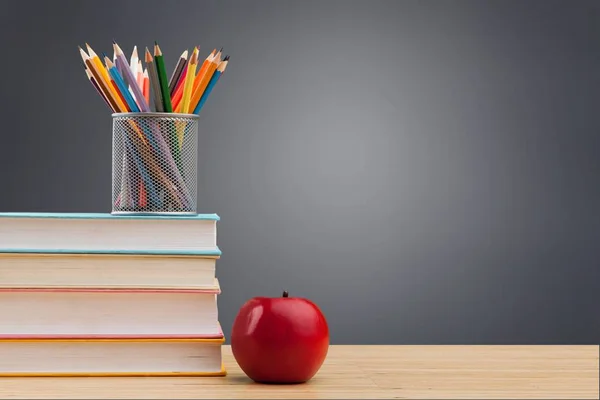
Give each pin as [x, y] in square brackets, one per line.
[101, 81]
[154, 81]
[116, 76]
[159, 62]
[133, 63]
[117, 65]
[179, 91]
[178, 95]
[179, 86]
[211, 84]
[198, 91]
[118, 90]
[189, 81]
[146, 86]
[176, 75]
[130, 79]
[143, 201]
[162, 78]
[140, 75]
[103, 76]
[134, 179]
[93, 82]
[134, 66]
[113, 87]
[96, 60]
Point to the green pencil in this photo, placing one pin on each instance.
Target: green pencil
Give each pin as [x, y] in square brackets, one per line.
[166, 99]
[162, 78]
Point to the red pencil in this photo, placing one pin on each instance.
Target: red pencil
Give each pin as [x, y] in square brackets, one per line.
[178, 91]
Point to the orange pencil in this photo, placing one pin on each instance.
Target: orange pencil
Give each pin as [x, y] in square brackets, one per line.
[210, 70]
[179, 91]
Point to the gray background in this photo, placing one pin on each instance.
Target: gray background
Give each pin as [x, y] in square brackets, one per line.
[426, 171]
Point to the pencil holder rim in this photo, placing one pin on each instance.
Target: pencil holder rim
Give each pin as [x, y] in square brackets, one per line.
[156, 114]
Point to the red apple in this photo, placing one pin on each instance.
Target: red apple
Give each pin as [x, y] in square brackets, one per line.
[280, 340]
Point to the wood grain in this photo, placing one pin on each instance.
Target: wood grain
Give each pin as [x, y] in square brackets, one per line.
[352, 372]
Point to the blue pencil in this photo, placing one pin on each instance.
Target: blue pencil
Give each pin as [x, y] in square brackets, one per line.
[211, 84]
[116, 76]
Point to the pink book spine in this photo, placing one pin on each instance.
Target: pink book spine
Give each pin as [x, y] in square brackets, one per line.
[110, 290]
[87, 337]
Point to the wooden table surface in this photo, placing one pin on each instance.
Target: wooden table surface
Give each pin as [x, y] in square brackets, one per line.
[455, 372]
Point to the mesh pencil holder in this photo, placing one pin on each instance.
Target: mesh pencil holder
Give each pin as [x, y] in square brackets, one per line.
[154, 163]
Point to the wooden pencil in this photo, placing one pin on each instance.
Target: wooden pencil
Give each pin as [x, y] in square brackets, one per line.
[103, 76]
[133, 63]
[140, 75]
[162, 78]
[93, 82]
[101, 81]
[179, 92]
[154, 82]
[118, 66]
[189, 81]
[146, 86]
[120, 93]
[121, 85]
[199, 90]
[130, 79]
[176, 75]
[211, 84]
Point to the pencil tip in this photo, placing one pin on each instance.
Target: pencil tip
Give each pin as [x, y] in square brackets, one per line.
[114, 41]
[226, 58]
[155, 43]
[221, 50]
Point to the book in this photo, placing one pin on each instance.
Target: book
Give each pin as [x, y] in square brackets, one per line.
[107, 233]
[133, 271]
[96, 357]
[108, 313]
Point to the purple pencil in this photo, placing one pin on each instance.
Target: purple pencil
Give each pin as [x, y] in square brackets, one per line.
[131, 80]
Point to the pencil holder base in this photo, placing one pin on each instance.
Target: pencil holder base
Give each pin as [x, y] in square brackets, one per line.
[155, 158]
[142, 213]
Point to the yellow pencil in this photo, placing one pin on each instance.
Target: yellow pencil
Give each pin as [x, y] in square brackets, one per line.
[104, 74]
[189, 80]
[178, 95]
[208, 73]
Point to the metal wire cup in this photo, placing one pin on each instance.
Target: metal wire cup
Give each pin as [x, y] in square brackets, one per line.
[155, 158]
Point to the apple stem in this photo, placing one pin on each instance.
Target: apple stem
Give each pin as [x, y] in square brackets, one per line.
[285, 293]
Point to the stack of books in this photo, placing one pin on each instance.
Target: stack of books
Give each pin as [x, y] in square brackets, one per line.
[98, 294]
